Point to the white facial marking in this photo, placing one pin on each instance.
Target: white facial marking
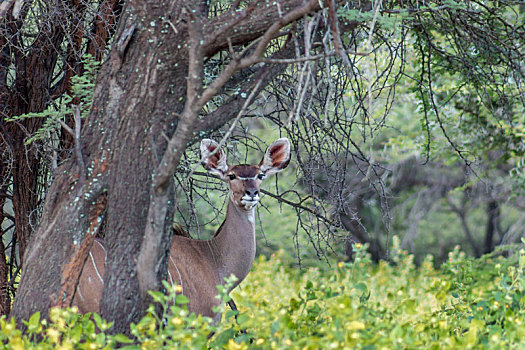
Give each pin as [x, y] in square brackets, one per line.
[247, 178]
[249, 203]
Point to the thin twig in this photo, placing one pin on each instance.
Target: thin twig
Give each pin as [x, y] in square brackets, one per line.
[226, 136]
[67, 128]
[311, 58]
[280, 199]
[298, 206]
[256, 55]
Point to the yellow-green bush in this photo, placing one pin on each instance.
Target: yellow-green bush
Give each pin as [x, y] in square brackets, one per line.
[466, 303]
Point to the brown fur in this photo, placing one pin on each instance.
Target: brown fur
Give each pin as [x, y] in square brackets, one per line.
[90, 285]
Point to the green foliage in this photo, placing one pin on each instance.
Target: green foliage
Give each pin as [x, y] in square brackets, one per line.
[467, 90]
[65, 329]
[467, 303]
[81, 97]
[456, 102]
[174, 327]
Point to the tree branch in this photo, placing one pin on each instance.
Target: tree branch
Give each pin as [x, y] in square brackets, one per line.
[252, 25]
[148, 259]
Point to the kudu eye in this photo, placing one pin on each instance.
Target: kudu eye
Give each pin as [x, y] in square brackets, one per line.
[260, 176]
[231, 176]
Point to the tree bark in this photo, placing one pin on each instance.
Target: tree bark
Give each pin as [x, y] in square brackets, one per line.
[5, 296]
[30, 90]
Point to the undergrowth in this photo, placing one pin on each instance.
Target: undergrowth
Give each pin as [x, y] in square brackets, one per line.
[466, 303]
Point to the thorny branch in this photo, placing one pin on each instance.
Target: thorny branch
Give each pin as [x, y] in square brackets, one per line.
[338, 118]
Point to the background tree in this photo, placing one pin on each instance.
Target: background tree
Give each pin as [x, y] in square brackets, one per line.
[41, 43]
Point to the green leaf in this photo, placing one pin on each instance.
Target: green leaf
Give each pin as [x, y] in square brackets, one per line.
[181, 299]
[130, 347]
[34, 322]
[121, 338]
[157, 296]
[275, 327]
[98, 320]
[230, 313]
[309, 285]
[242, 319]
[222, 338]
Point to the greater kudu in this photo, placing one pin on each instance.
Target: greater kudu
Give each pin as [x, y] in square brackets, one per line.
[199, 266]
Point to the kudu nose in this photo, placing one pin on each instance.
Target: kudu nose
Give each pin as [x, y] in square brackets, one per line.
[252, 192]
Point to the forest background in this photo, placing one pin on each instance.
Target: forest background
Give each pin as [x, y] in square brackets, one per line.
[406, 120]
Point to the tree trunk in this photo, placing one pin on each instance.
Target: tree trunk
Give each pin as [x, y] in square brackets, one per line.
[493, 214]
[134, 109]
[29, 90]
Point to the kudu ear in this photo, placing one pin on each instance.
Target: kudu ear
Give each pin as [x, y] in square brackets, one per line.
[214, 162]
[276, 158]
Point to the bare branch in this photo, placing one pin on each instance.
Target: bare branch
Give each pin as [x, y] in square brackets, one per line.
[312, 58]
[257, 54]
[7, 5]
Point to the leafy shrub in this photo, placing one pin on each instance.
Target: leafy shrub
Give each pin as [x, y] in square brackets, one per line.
[466, 303]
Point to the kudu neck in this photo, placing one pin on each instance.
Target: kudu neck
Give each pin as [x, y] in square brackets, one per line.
[235, 242]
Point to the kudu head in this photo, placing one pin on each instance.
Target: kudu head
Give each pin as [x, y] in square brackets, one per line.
[244, 180]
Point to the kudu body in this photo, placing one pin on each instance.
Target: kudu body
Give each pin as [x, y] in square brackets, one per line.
[198, 266]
